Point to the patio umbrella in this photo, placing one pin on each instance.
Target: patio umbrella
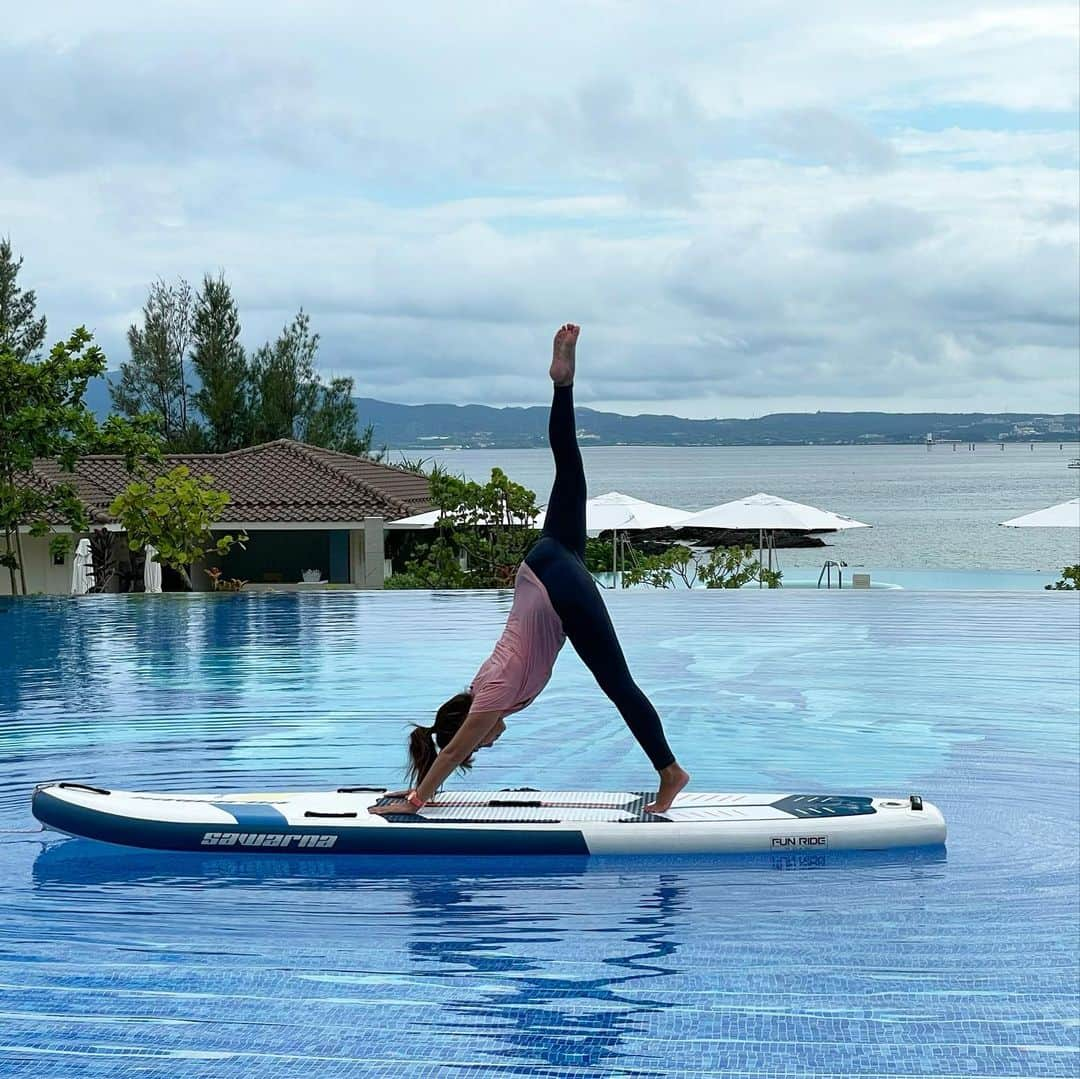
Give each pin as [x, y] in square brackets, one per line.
[768, 513]
[151, 570]
[431, 518]
[82, 569]
[616, 512]
[1063, 515]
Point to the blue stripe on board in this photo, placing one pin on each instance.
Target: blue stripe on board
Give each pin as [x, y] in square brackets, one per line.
[169, 835]
[253, 815]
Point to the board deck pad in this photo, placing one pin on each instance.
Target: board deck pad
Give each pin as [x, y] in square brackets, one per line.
[551, 807]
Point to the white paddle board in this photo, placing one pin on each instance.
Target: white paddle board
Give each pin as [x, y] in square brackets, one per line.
[522, 821]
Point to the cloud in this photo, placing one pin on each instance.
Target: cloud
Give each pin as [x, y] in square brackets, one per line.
[876, 226]
[818, 136]
[776, 206]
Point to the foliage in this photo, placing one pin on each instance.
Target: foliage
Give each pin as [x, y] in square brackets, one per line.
[175, 514]
[662, 570]
[285, 382]
[480, 520]
[21, 335]
[224, 584]
[436, 564]
[224, 396]
[598, 554]
[726, 567]
[42, 415]
[242, 400]
[103, 559]
[60, 545]
[416, 465]
[1068, 582]
[155, 379]
[290, 400]
[332, 423]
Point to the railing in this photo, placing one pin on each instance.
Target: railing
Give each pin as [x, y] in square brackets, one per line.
[826, 573]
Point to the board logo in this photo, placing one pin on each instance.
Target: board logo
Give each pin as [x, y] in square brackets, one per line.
[800, 842]
[267, 839]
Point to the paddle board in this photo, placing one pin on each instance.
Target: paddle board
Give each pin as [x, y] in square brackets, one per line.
[521, 821]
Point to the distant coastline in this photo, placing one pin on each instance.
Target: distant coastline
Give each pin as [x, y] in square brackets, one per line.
[445, 426]
[431, 427]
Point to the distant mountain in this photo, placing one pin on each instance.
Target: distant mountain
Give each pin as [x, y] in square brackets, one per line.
[97, 396]
[474, 426]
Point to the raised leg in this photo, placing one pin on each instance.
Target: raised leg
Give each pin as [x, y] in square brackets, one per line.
[565, 517]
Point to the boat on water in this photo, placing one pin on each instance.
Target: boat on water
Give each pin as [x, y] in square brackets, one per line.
[1075, 463]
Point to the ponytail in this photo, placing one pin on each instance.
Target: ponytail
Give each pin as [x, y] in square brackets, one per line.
[425, 742]
[422, 753]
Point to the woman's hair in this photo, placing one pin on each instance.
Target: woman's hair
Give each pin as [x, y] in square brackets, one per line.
[424, 740]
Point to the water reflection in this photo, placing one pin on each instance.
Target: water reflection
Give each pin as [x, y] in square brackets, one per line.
[547, 963]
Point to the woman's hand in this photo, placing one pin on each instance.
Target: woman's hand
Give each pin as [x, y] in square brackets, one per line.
[393, 808]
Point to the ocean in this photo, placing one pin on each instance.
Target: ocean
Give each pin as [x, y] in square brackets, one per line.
[937, 509]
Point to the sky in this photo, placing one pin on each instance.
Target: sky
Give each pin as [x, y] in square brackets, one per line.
[836, 206]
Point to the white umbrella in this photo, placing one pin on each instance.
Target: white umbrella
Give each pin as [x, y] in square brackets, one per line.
[82, 569]
[768, 513]
[1063, 515]
[616, 512]
[431, 519]
[151, 570]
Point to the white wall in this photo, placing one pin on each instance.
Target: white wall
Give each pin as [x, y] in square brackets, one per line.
[41, 574]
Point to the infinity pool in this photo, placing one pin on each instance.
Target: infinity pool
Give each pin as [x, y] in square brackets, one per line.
[120, 963]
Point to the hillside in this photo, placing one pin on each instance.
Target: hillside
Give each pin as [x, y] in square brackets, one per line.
[472, 426]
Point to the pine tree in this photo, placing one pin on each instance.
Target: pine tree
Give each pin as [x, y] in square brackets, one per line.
[333, 422]
[21, 335]
[220, 363]
[155, 380]
[290, 400]
[287, 387]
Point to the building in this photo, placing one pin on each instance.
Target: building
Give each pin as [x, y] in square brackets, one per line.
[303, 508]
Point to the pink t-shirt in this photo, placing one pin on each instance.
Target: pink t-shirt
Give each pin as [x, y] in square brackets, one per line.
[525, 654]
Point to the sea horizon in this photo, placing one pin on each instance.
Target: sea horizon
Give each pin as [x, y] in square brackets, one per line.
[929, 509]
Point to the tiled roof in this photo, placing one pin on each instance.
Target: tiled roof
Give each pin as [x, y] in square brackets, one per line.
[285, 481]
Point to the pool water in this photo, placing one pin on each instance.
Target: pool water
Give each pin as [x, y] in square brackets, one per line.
[962, 962]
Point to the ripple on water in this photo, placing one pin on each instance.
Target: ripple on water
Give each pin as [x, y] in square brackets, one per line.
[907, 963]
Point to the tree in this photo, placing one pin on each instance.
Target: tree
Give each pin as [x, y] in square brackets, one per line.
[21, 335]
[726, 567]
[291, 401]
[484, 522]
[1069, 581]
[218, 360]
[155, 379]
[285, 381]
[42, 414]
[333, 422]
[175, 515]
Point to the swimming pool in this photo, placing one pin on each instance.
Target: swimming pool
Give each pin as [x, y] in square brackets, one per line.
[124, 963]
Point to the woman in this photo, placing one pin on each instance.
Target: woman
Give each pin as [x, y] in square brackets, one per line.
[555, 598]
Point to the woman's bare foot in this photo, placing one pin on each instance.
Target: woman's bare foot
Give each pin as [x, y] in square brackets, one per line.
[562, 359]
[672, 780]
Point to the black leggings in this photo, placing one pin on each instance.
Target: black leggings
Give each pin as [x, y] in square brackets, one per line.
[557, 558]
